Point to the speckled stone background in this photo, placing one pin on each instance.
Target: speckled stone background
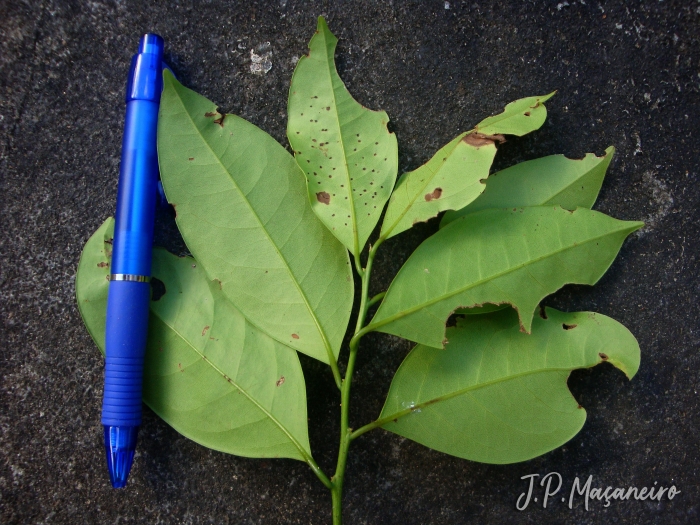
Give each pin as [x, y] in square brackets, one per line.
[627, 74]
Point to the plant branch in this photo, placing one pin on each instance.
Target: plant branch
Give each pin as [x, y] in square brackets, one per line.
[345, 430]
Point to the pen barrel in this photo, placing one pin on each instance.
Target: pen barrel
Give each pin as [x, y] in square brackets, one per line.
[136, 196]
[125, 344]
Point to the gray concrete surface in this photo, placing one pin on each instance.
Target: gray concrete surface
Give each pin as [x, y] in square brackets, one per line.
[627, 74]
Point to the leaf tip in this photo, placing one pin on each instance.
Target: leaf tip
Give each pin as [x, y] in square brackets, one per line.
[636, 225]
[545, 98]
[322, 25]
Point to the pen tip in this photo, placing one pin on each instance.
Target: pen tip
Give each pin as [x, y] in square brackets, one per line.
[120, 445]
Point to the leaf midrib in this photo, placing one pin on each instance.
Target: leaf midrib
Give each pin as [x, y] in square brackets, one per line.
[330, 48]
[373, 326]
[324, 338]
[471, 388]
[238, 387]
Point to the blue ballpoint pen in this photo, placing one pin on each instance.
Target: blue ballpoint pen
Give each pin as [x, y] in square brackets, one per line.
[129, 288]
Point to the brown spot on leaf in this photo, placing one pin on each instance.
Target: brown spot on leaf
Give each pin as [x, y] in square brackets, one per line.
[295, 336]
[280, 381]
[568, 326]
[527, 113]
[477, 139]
[102, 264]
[435, 194]
[543, 313]
[204, 331]
[220, 120]
[323, 197]
[210, 114]
[603, 356]
[191, 158]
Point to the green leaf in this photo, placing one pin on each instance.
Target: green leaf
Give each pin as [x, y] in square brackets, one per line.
[208, 373]
[92, 280]
[455, 175]
[349, 157]
[497, 395]
[519, 118]
[515, 256]
[450, 180]
[570, 183]
[242, 209]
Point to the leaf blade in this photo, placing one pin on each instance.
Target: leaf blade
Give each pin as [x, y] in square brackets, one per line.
[452, 178]
[208, 372]
[555, 179]
[504, 392]
[242, 209]
[497, 256]
[349, 157]
[519, 117]
[455, 175]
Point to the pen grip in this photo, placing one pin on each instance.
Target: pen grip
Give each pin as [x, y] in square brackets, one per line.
[125, 345]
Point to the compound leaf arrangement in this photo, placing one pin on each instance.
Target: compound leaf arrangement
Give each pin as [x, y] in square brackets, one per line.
[278, 241]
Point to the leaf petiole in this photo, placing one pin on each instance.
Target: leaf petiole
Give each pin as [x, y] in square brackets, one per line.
[374, 300]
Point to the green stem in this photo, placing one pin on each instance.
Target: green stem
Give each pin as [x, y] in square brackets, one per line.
[345, 430]
[336, 494]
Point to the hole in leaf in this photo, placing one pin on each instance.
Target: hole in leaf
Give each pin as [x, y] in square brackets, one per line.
[157, 289]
